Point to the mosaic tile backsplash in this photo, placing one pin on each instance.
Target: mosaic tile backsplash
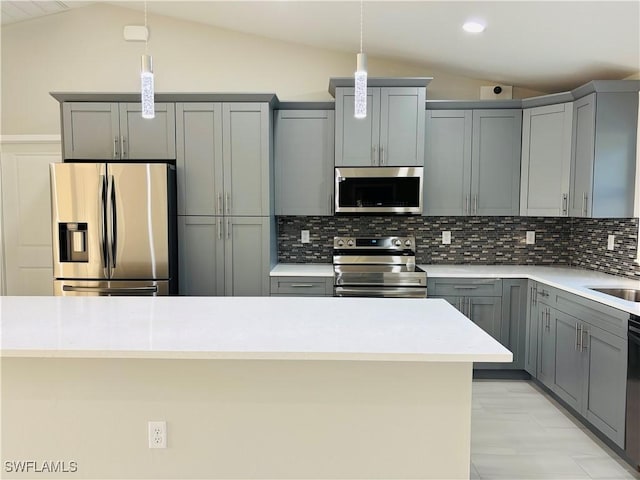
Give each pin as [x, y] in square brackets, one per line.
[479, 240]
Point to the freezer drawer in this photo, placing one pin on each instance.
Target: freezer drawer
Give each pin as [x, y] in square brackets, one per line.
[106, 288]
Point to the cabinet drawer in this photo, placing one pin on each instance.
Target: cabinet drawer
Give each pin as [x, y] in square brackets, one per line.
[302, 286]
[466, 287]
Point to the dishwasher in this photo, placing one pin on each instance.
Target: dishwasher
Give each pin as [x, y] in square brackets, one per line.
[632, 424]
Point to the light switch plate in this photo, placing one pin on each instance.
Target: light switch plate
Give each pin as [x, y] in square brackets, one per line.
[531, 238]
[611, 241]
[446, 238]
[304, 236]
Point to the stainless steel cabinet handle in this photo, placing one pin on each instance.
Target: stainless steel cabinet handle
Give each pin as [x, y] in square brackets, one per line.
[464, 287]
[123, 143]
[543, 293]
[115, 147]
[584, 203]
[468, 307]
[373, 154]
[228, 228]
[565, 203]
[577, 338]
[475, 204]
[228, 202]
[219, 229]
[301, 285]
[548, 319]
[219, 203]
[467, 204]
[381, 155]
[583, 343]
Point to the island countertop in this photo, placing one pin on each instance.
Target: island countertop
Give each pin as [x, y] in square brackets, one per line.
[269, 328]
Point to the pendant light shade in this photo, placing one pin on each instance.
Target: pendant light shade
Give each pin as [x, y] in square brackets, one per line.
[360, 82]
[146, 87]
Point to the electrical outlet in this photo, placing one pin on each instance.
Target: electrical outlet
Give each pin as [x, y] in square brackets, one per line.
[304, 236]
[446, 238]
[611, 241]
[158, 434]
[531, 238]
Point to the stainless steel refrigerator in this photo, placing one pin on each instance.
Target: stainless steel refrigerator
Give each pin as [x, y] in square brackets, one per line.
[114, 228]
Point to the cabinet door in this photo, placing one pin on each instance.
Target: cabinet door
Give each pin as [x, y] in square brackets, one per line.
[304, 153]
[546, 346]
[486, 312]
[584, 130]
[402, 126]
[245, 153]
[201, 250]
[447, 165]
[514, 311]
[357, 139]
[568, 382]
[532, 328]
[91, 131]
[199, 162]
[148, 138]
[605, 386]
[546, 158]
[495, 162]
[247, 255]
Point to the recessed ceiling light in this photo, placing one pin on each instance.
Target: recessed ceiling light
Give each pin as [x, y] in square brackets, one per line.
[473, 27]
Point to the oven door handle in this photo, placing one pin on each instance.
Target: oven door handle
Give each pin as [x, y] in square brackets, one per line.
[380, 292]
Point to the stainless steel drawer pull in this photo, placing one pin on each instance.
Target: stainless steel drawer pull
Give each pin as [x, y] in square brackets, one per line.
[465, 287]
[577, 338]
[301, 285]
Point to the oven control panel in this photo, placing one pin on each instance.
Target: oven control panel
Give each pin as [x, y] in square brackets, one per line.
[374, 243]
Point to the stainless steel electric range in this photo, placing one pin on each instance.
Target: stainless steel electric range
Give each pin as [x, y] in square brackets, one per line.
[377, 267]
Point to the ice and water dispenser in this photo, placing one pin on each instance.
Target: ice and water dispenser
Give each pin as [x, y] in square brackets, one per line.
[73, 242]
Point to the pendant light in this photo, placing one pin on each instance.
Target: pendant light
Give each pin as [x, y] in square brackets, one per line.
[360, 76]
[146, 78]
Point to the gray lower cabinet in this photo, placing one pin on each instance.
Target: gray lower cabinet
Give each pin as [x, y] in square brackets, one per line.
[581, 355]
[117, 131]
[223, 159]
[603, 168]
[392, 134]
[302, 286]
[303, 158]
[472, 162]
[531, 330]
[546, 160]
[225, 255]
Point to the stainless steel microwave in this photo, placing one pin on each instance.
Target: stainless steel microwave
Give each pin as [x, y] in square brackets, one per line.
[378, 190]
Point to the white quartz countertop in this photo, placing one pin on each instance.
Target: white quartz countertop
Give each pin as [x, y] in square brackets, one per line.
[271, 328]
[573, 280]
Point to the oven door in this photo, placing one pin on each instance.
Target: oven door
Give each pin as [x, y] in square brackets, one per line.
[381, 292]
[379, 190]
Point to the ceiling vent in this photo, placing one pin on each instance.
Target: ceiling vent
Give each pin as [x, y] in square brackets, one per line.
[496, 92]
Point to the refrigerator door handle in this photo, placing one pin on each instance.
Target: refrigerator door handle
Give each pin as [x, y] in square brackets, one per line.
[114, 222]
[103, 224]
[116, 290]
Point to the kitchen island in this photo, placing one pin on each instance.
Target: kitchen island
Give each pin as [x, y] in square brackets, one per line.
[250, 387]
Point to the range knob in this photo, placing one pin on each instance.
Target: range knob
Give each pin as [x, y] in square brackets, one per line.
[397, 243]
[340, 243]
[407, 243]
[350, 243]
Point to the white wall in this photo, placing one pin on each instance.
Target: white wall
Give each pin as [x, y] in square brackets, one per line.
[83, 50]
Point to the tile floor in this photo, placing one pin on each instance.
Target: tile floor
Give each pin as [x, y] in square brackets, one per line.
[518, 433]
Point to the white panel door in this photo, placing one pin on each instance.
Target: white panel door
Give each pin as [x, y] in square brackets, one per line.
[26, 218]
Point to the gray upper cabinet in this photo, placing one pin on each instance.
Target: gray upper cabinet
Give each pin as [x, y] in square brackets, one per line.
[117, 131]
[603, 169]
[392, 134]
[304, 152]
[546, 160]
[223, 159]
[472, 162]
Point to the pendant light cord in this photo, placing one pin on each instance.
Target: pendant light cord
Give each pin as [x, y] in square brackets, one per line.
[361, 22]
[146, 40]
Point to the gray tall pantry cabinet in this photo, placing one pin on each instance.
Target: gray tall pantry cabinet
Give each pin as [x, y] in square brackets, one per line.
[225, 198]
[472, 162]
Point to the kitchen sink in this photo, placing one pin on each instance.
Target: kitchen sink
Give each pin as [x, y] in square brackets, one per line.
[630, 294]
